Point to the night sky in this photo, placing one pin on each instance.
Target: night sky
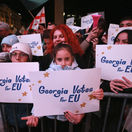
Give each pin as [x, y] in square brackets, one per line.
[113, 11]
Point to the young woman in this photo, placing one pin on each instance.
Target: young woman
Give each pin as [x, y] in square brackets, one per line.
[63, 59]
[20, 52]
[117, 86]
[124, 37]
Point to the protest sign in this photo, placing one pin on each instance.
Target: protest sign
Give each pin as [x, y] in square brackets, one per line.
[74, 28]
[70, 21]
[15, 84]
[111, 32]
[115, 61]
[55, 92]
[86, 21]
[34, 40]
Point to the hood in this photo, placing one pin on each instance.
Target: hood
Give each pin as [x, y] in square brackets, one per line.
[55, 67]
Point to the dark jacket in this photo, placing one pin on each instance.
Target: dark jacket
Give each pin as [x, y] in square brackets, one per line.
[84, 61]
[14, 112]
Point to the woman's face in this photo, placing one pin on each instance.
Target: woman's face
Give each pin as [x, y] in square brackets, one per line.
[6, 47]
[126, 23]
[63, 58]
[18, 56]
[122, 38]
[58, 37]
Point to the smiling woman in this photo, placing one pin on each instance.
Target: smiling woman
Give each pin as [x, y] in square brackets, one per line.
[20, 52]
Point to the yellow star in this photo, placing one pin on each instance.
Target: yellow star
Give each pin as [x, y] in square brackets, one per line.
[39, 47]
[19, 99]
[83, 104]
[109, 47]
[102, 53]
[91, 97]
[39, 81]
[30, 87]
[24, 94]
[117, 30]
[46, 74]
[76, 111]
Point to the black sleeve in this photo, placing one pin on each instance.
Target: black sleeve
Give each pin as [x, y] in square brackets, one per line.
[105, 85]
[87, 60]
[44, 61]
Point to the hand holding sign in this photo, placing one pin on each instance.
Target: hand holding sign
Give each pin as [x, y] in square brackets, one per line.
[68, 95]
[128, 83]
[116, 85]
[73, 118]
[119, 85]
[98, 94]
[32, 121]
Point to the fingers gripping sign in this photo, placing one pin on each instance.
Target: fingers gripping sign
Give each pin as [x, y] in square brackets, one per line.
[32, 121]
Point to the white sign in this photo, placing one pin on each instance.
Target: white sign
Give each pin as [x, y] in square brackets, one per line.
[15, 84]
[111, 32]
[55, 92]
[74, 28]
[115, 61]
[34, 40]
[70, 21]
[86, 21]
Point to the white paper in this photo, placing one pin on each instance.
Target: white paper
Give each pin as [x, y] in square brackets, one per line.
[115, 61]
[75, 88]
[15, 83]
[34, 40]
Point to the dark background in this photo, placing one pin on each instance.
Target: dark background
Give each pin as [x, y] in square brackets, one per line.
[113, 11]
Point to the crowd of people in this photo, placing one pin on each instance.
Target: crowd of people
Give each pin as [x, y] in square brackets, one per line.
[65, 50]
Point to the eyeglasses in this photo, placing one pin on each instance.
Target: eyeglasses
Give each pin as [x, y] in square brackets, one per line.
[21, 55]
